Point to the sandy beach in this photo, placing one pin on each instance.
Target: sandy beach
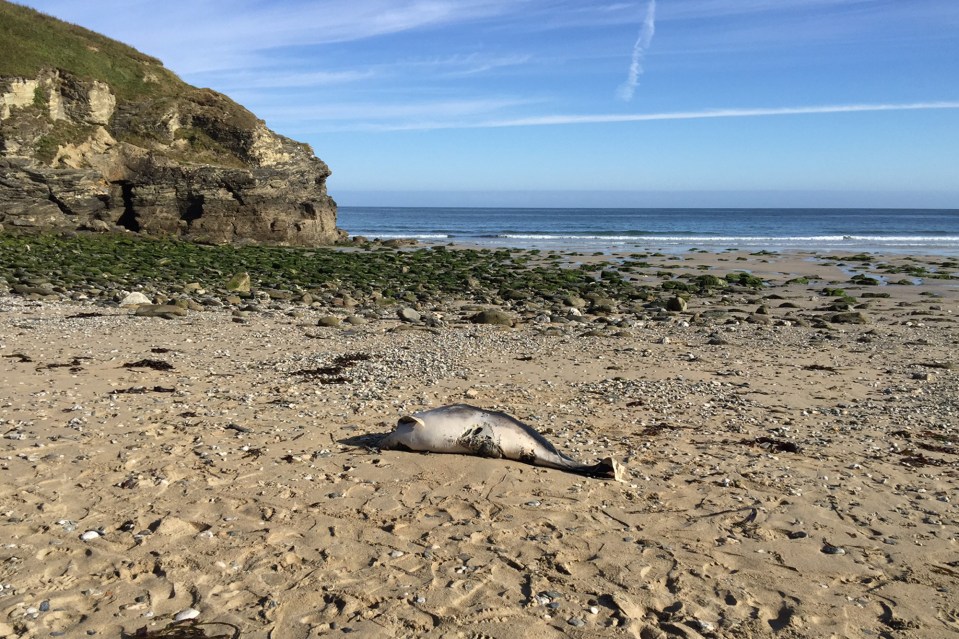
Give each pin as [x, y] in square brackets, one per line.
[792, 465]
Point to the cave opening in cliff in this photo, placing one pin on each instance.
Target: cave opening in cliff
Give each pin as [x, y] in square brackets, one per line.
[193, 210]
[129, 219]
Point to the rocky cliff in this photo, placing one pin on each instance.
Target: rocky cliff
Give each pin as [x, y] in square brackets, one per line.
[95, 135]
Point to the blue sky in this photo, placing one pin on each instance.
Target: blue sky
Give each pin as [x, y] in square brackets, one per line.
[546, 103]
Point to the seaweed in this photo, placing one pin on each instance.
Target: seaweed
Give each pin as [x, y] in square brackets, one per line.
[332, 374]
[774, 445]
[140, 390]
[75, 365]
[186, 630]
[155, 364]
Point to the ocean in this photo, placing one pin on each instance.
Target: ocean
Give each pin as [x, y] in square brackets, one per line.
[917, 231]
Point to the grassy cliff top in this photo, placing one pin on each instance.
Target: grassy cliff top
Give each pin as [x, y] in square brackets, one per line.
[31, 41]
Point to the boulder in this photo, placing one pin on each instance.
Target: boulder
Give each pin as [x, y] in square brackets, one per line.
[409, 315]
[166, 311]
[135, 299]
[852, 317]
[239, 283]
[328, 321]
[493, 316]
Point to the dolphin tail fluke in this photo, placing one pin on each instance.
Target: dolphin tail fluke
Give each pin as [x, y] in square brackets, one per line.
[607, 468]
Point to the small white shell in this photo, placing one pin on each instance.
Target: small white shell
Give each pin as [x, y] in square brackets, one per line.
[189, 613]
[89, 535]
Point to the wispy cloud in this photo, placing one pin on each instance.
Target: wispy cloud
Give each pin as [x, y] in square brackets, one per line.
[697, 9]
[376, 112]
[247, 81]
[233, 34]
[561, 120]
[645, 38]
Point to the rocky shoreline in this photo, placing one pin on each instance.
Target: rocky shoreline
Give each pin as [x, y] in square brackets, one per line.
[788, 429]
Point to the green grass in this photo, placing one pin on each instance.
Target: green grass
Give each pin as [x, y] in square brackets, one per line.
[31, 41]
[60, 134]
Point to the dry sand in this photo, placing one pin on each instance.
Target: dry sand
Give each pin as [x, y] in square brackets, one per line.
[786, 477]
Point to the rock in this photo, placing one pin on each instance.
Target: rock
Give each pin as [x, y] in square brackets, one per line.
[852, 317]
[600, 305]
[97, 226]
[328, 321]
[410, 315]
[28, 289]
[275, 294]
[166, 311]
[80, 153]
[710, 281]
[135, 299]
[356, 320]
[676, 304]
[493, 316]
[401, 242]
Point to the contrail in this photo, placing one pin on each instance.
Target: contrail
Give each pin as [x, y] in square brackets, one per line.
[552, 120]
[706, 114]
[646, 32]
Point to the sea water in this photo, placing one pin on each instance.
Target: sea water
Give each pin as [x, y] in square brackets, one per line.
[917, 231]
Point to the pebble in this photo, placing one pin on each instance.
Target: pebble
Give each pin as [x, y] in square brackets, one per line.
[577, 622]
[89, 535]
[67, 525]
[189, 613]
[829, 549]
[704, 626]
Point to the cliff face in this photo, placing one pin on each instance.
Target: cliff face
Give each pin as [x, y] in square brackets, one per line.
[144, 151]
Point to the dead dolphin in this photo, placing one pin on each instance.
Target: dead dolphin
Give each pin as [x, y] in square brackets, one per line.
[468, 430]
